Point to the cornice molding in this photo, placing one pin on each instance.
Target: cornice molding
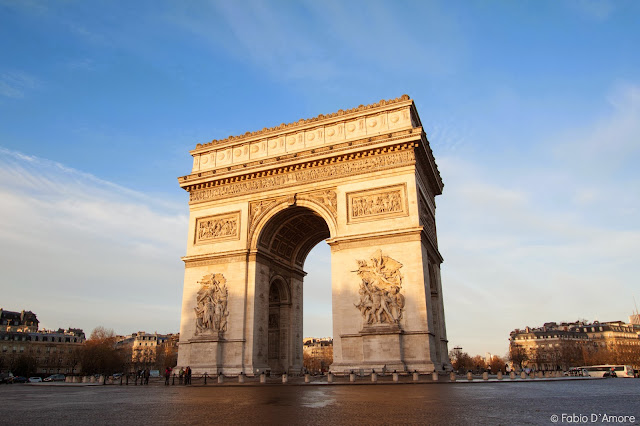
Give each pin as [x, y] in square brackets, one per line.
[296, 125]
[388, 157]
[319, 152]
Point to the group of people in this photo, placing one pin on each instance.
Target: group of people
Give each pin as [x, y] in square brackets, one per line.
[184, 375]
[143, 375]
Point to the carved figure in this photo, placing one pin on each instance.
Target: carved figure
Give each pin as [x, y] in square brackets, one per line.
[380, 299]
[366, 205]
[211, 305]
[217, 228]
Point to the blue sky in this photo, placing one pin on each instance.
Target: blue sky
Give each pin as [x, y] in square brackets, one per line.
[532, 110]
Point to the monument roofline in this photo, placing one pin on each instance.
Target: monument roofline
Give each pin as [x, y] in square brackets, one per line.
[301, 124]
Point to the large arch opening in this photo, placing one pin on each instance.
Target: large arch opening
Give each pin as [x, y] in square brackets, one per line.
[283, 245]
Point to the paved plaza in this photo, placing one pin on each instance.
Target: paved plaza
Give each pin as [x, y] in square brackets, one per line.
[519, 402]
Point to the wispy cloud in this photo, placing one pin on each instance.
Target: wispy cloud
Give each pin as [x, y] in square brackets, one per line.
[543, 241]
[335, 39]
[100, 248]
[14, 84]
[593, 9]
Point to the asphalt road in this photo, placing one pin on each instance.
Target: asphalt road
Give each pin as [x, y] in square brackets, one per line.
[438, 403]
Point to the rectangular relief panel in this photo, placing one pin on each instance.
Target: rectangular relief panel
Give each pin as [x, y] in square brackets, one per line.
[222, 227]
[378, 203]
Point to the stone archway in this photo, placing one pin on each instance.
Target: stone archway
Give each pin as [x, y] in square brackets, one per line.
[365, 181]
[284, 240]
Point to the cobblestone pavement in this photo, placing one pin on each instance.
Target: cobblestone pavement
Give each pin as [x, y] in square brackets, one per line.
[518, 402]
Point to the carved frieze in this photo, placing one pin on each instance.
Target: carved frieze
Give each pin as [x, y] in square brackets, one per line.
[381, 302]
[378, 203]
[311, 172]
[217, 228]
[211, 305]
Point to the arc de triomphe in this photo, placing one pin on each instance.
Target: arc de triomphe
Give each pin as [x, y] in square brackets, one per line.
[364, 180]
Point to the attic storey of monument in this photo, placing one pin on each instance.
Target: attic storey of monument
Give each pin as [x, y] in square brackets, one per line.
[365, 181]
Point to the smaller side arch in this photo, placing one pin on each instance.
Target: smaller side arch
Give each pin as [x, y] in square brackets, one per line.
[281, 284]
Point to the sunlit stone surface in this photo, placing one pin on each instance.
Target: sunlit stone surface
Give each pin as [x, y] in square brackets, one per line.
[364, 180]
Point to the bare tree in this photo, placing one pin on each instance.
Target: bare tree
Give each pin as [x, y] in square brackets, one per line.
[518, 355]
[99, 354]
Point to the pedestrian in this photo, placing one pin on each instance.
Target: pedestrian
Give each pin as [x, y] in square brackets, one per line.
[188, 376]
[181, 375]
[167, 375]
[147, 373]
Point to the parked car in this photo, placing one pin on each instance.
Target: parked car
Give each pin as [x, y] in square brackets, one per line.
[6, 378]
[35, 379]
[19, 379]
[55, 378]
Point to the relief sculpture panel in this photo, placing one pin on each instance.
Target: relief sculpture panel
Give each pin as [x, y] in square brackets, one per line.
[217, 228]
[211, 305]
[381, 302]
[379, 203]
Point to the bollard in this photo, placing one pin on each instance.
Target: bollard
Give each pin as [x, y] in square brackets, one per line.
[434, 376]
[330, 377]
[374, 376]
[499, 375]
[512, 375]
[352, 377]
[263, 378]
[523, 375]
[395, 376]
[469, 376]
[220, 378]
[241, 377]
[485, 376]
[307, 378]
[452, 376]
